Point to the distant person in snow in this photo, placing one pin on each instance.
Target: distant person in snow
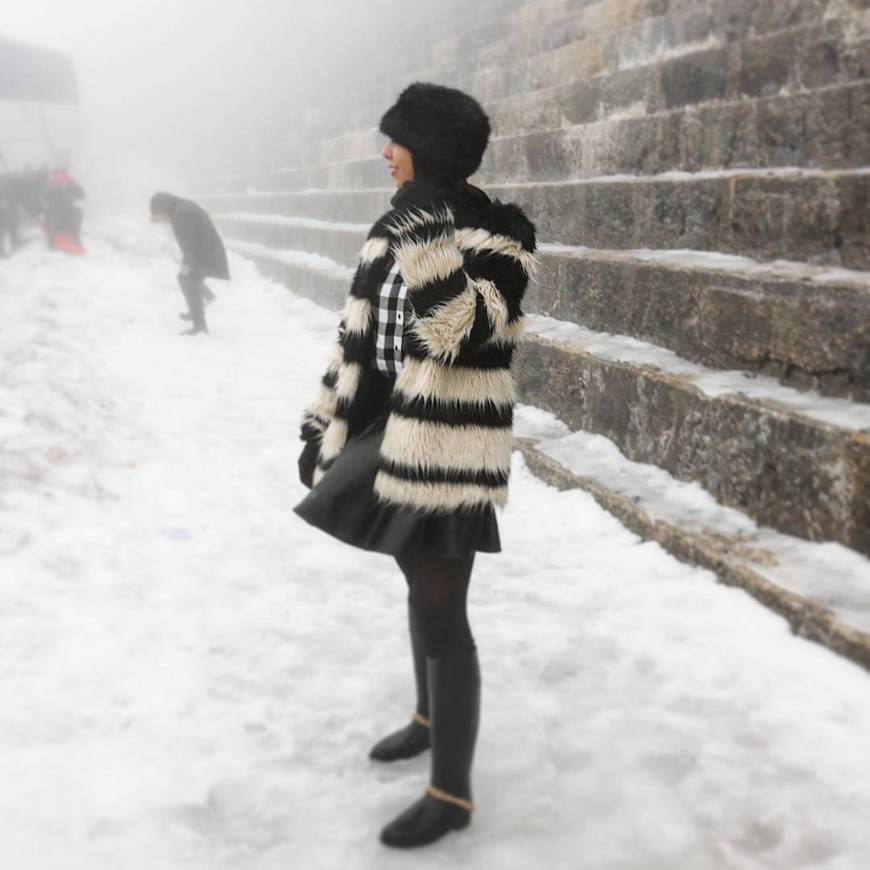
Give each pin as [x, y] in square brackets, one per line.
[202, 250]
[63, 215]
[408, 444]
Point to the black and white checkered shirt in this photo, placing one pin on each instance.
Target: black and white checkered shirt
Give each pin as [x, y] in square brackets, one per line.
[390, 315]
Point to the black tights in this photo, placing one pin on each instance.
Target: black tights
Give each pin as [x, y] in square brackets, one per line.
[437, 592]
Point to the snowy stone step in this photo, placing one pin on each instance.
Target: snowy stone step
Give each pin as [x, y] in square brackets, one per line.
[805, 325]
[708, 70]
[825, 123]
[823, 590]
[495, 38]
[698, 60]
[765, 214]
[607, 37]
[808, 326]
[340, 206]
[638, 25]
[339, 242]
[823, 129]
[310, 275]
[793, 214]
[792, 460]
[591, 40]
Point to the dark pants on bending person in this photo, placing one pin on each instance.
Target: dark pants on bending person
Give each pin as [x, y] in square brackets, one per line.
[438, 595]
[195, 293]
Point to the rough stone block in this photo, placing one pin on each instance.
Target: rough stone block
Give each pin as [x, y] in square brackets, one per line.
[786, 471]
[696, 78]
[807, 335]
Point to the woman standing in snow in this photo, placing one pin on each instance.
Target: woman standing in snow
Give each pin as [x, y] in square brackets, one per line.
[408, 445]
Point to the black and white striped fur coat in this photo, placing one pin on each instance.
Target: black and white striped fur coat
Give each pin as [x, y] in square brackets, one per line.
[447, 444]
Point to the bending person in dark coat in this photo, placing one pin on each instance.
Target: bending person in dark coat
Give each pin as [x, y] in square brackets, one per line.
[203, 253]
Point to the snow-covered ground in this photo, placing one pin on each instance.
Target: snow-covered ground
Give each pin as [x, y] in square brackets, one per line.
[190, 677]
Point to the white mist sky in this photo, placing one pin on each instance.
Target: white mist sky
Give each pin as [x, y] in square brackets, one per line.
[162, 80]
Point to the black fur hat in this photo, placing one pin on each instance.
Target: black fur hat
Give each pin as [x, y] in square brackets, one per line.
[445, 130]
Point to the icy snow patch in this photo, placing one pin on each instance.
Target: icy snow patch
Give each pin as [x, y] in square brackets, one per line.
[832, 575]
[663, 52]
[657, 492]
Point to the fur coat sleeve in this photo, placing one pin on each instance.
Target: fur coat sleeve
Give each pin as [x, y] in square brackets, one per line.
[465, 284]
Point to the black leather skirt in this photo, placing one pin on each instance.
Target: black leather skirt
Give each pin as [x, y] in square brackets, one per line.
[344, 505]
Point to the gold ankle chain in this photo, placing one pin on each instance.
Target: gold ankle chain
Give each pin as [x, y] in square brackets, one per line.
[449, 798]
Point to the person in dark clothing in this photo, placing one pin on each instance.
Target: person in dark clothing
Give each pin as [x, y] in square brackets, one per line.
[202, 249]
[408, 443]
[22, 191]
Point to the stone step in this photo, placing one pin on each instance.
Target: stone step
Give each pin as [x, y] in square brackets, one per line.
[818, 62]
[822, 590]
[339, 206]
[315, 277]
[474, 41]
[602, 45]
[729, 73]
[818, 56]
[720, 66]
[824, 129]
[807, 326]
[340, 243]
[748, 61]
[793, 461]
[484, 37]
[797, 462]
[515, 41]
[803, 215]
[605, 37]
[635, 92]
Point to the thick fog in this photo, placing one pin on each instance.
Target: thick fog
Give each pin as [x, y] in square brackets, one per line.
[171, 88]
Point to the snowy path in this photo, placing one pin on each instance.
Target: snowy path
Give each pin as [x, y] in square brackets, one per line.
[191, 678]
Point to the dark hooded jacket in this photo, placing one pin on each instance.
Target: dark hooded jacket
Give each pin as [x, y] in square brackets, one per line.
[201, 246]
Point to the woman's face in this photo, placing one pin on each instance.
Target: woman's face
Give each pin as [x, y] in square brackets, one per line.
[400, 162]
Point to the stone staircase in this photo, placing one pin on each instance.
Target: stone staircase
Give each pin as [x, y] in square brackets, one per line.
[699, 173]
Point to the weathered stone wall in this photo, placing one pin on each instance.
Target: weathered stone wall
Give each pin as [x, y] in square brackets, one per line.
[698, 172]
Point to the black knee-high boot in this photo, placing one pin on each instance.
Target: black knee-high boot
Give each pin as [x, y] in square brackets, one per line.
[413, 739]
[454, 692]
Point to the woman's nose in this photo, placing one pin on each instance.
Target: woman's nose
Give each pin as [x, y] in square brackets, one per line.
[387, 153]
